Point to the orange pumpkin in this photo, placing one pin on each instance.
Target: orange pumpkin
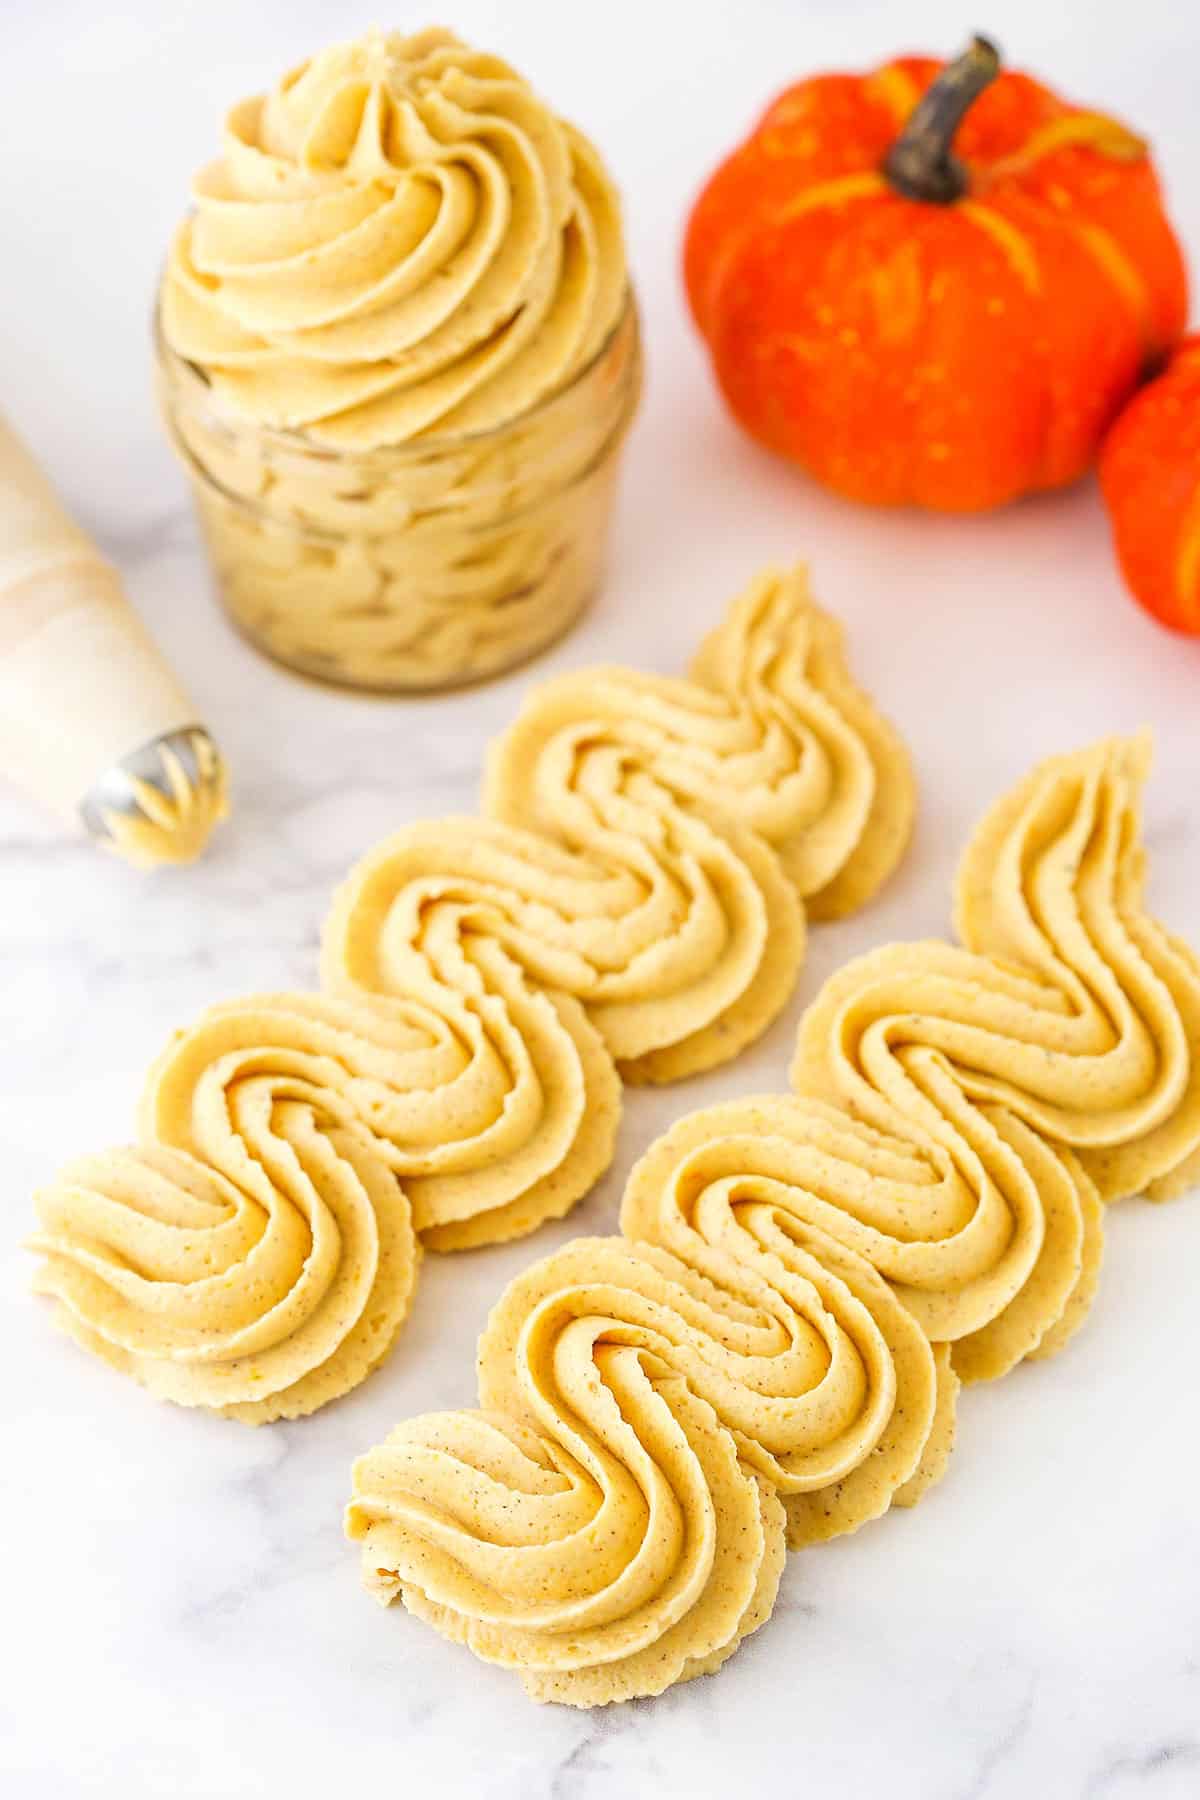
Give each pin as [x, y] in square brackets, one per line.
[1150, 473]
[934, 284]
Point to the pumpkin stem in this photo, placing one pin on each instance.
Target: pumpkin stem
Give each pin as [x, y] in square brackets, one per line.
[919, 164]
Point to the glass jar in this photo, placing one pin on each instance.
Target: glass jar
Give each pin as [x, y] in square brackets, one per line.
[414, 566]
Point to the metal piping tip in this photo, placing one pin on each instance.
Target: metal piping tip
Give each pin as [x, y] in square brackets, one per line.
[160, 803]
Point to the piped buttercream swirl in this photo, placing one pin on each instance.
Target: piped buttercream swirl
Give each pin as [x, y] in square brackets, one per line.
[485, 983]
[808, 1277]
[400, 238]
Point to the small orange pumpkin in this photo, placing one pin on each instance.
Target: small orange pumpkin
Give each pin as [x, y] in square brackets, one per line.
[919, 324]
[1150, 474]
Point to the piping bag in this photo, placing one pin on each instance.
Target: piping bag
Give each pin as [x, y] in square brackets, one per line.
[92, 721]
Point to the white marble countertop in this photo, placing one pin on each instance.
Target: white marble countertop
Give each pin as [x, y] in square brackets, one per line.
[181, 1614]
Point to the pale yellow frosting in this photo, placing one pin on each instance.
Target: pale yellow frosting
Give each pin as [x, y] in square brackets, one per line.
[802, 1280]
[398, 356]
[261, 1297]
[483, 979]
[467, 1115]
[517, 1119]
[400, 238]
[653, 1426]
[172, 826]
[594, 1526]
[714, 805]
[674, 935]
[1053, 882]
[769, 732]
[1053, 1062]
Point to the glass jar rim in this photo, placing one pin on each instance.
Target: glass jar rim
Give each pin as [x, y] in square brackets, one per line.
[420, 446]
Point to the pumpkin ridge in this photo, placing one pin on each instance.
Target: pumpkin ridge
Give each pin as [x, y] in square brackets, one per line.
[1108, 255]
[1093, 131]
[1016, 248]
[896, 89]
[833, 192]
[1187, 563]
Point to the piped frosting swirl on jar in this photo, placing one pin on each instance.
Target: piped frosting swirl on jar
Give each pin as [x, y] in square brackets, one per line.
[400, 238]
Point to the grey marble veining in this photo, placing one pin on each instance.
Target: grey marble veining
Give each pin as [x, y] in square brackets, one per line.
[181, 1614]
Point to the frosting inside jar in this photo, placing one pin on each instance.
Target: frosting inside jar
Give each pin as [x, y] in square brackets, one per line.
[398, 356]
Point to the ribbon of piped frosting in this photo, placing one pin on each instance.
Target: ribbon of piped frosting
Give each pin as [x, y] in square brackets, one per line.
[487, 982]
[772, 1349]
